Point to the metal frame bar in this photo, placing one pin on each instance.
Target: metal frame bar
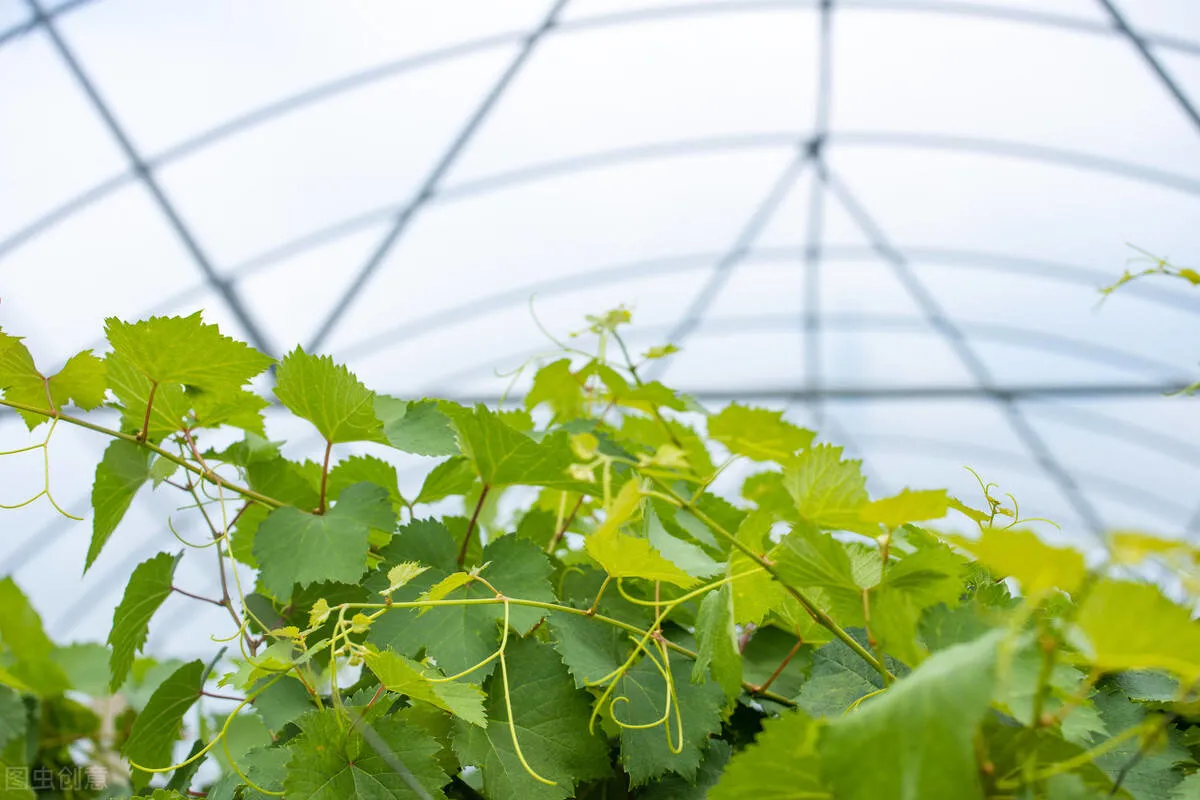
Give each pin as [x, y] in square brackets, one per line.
[223, 288]
[816, 212]
[936, 316]
[430, 185]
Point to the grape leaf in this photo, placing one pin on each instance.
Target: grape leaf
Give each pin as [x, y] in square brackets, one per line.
[828, 491]
[293, 547]
[402, 675]
[928, 577]
[459, 637]
[369, 469]
[383, 759]
[123, 470]
[1147, 773]
[504, 456]
[184, 350]
[22, 633]
[157, 728]
[756, 593]
[1133, 626]
[648, 432]
[81, 379]
[1022, 555]
[329, 396]
[837, 679]
[417, 427]
[12, 716]
[623, 556]
[919, 733]
[550, 719]
[676, 787]
[646, 752]
[455, 475]
[908, 506]
[781, 764]
[590, 649]
[716, 638]
[810, 558]
[757, 433]
[240, 408]
[148, 587]
[559, 388]
[767, 492]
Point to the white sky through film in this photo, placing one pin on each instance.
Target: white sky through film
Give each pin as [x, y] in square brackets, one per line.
[893, 214]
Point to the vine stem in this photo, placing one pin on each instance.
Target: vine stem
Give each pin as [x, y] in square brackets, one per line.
[462, 551]
[1079, 760]
[196, 596]
[821, 618]
[215, 478]
[562, 530]
[324, 476]
[782, 665]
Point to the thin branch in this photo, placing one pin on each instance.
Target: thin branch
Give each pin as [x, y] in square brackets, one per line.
[196, 596]
[558, 535]
[462, 551]
[324, 477]
[782, 666]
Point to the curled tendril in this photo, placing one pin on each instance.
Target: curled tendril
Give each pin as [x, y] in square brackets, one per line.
[220, 737]
[996, 507]
[512, 725]
[185, 542]
[44, 446]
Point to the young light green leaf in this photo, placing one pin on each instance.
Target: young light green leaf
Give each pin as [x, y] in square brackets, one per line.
[921, 580]
[417, 427]
[1130, 625]
[919, 733]
[717, 643]
[646, 752]
[439, 591]
[401, 574]
[184, 350]
[756, 593]
[123, 470]
[781, 764]
[407, 677]
[623, 556]
[156, 728]
[550, 721]
[758, 433]
[558, 387]
[82, 380]
[809, 558]
[1037, 566]
[908, 506]
[828, 491]
[294, 547]
[148, 587]
[329, 396]
[369, 469]
[373, 760]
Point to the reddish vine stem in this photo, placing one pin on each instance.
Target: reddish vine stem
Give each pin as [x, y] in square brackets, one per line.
[558, 535]
[196, 596]
[782, 666]
[462, 551]
[145, 431]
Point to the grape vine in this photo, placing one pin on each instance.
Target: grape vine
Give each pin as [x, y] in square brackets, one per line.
[567, 606]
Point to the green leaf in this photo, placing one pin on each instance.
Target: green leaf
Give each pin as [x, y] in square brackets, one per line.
[758, 433]
[623, 556]
[908, 506]
[504, 456]
[590, 649]
[919, 734]
[329, 396]
[772, 649]
[828, 491]
[82, 379]
[86, 667]
[559, 388]
[181, 778]
[838, 678]
[1037, 566]
[921, 580]
[239, 409]
[123, 470]
[809, 558]
[454, 476]
[676, 787]
[550, 720]
[1130, 625]
[22, 634]
[148, 587]
[374, 760]
[157, 728]
[12, 716]
[184, 350]
[418, 427]
[716, 638]
[459, 637]
[754, 594]
[293, 547]
[781, 764]
[282, 702]
[1147, 772]
[407, 677]
[650, 433]
[646, 752]
[368, 469]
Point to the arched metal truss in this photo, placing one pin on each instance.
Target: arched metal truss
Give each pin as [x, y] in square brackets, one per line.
[810, 152]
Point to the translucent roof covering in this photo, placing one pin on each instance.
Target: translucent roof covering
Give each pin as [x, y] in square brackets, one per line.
[889, 216]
